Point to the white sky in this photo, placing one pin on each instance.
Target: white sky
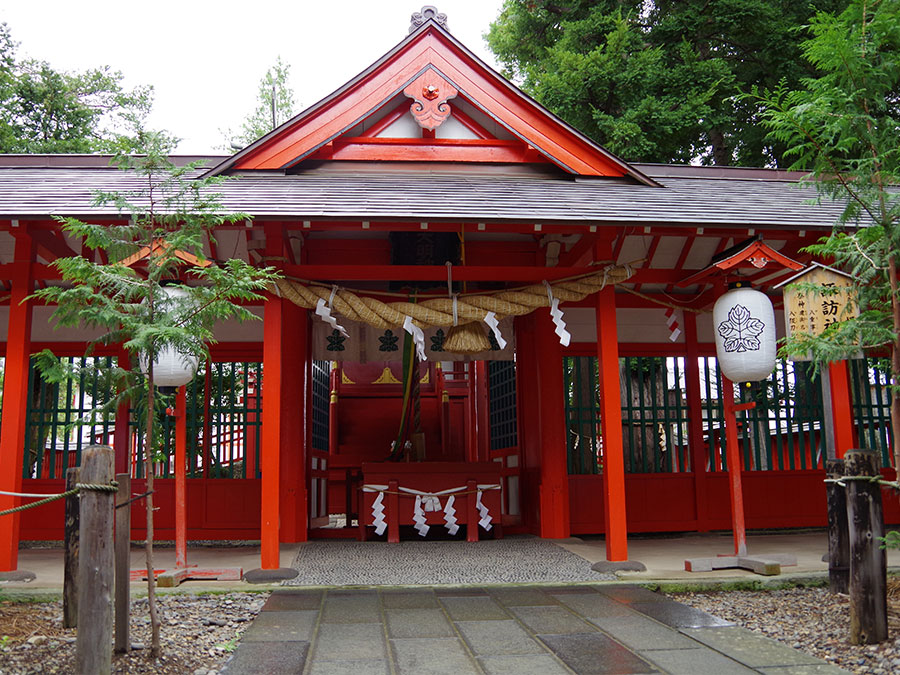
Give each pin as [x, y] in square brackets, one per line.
[205, 59]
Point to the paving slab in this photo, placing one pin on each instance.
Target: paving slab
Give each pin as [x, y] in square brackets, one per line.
[558, 620]
[631, 594]
[349, 641]
[351, 608]
[432, 656]
[474, 608]
[695, 662]
[640, 632]
[519, 664]
[354, 667]
[282, 627]
[421, 623]
[751, 649]
[251, 658]
[412, 599]
[593, 605]
[807, 669]
[595, 653]
[289, 601]
[523, 597]
[677, 615]
[498, 637]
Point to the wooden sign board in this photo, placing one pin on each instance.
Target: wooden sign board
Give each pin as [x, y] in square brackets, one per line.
[811, 312]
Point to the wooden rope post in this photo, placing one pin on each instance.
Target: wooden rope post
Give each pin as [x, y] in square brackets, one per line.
[838, 538]
[95, 569]
[70, 570]
[868, 561]
[123, 563]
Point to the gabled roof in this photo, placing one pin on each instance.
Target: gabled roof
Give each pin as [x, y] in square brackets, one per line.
[431, 52]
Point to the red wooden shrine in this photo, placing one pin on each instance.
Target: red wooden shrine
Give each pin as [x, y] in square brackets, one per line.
[429, 140]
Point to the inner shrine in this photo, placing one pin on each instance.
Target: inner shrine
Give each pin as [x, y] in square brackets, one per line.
[486, 325]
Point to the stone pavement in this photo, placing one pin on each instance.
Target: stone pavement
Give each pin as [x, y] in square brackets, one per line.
[520, 629]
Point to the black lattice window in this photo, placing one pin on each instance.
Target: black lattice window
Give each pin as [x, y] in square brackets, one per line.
[582, 414]
[502, 394]
[320, 404]
[870, 383]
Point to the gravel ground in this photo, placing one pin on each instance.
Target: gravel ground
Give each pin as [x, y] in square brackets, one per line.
[502, 561]
[198, 635]
[812, 620]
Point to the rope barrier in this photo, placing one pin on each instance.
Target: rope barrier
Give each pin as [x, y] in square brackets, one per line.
[868, 479]
[113, 486]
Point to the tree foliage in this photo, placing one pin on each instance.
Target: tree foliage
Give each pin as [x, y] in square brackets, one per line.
[274, 105]
[43, 110]
[658, 81]
[843, 128]
[170, 215]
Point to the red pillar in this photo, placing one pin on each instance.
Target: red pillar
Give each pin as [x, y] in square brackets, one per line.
[15, 399]
[296, 433]
[270, 455]
[611, 420]
[845, 436]
[181, 478]
[554, 476]
[733, 455]
[122, 430]
[699, 452]
[482, 412]
[528, 403]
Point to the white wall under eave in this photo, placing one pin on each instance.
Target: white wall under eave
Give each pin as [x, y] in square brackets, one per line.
[644, 325]
[42, 328]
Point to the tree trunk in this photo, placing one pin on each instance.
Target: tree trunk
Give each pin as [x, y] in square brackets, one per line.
[149, 464]
[895, 365]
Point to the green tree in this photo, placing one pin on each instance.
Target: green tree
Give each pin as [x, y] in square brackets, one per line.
[170, 216]
[657, 81]
[842, 127]
[274, 106]
[45, 110]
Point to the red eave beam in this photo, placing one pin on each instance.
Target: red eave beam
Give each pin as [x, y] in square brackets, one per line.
[431, 273]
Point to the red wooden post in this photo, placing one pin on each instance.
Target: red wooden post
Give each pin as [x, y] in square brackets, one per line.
[295, 435]
[733, 455]
[471, 511]
[554, 475]
[842, 409]
[482, 412]
[393, 512]
[611, 420]
[122, 431]
[471, 415]
[699, 453]
[15, 398]
[180, 478]
[273, 347]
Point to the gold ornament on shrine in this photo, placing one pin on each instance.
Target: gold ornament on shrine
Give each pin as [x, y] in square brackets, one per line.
[810, 312]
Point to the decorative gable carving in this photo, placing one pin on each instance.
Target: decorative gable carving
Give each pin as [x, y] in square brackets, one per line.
[430, 93]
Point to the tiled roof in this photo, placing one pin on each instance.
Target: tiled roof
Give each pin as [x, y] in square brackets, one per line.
[690, 196]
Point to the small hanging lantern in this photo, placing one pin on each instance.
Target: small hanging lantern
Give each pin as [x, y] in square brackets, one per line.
[744, 321]
[170, 367]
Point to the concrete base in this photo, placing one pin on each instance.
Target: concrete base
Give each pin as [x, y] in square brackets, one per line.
[620, 566]
[767, 565]
[18, 575]
[172, 578]
[261, 576]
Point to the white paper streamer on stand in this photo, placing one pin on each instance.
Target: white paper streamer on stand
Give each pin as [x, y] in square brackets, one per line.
[491, 320]
[450, 516]
[564, 335]
[419, 518]
[324, 311]
[418, 336]
[378, 514]
[486, 519]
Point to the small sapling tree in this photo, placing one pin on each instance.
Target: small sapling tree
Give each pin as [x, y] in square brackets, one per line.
[167, 219]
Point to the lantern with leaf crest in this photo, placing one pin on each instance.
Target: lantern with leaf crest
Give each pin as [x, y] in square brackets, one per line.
[746, 345]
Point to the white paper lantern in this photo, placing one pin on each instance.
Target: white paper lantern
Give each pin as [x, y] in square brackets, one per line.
[170, 367]
[744, 321]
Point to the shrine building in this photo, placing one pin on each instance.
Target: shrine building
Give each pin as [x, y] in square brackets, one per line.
[486, 323]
